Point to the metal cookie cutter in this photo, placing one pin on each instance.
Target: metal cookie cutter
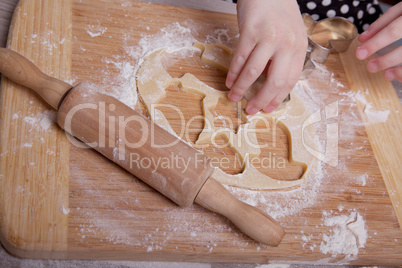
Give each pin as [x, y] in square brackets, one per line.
[326, 36]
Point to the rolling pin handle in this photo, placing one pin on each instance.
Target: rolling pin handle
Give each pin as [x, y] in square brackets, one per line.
[20, 70]
[250, 220]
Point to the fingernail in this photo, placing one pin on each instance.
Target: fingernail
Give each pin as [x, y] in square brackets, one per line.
[234, 97]
[362, 53]
[365, 32]
[372, 67]
[229, 83]
[251, 110]
[230, 79]
[389, 75]
[240, 60]
[269, 109]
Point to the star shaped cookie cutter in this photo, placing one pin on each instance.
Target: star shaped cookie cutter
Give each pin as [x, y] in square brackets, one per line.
[325, 37]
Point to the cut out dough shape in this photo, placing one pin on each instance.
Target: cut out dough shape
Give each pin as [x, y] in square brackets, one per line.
[153, 79]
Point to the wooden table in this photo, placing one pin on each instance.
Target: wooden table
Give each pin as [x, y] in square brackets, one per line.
[6, 11]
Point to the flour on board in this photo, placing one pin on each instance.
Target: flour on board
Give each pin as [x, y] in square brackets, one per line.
[44, 120]
[96, 30]
[373, 115]
[278, 204]
[348, 234]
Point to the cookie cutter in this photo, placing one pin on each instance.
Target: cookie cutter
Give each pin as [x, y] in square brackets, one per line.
[325, 37]
[308, 65]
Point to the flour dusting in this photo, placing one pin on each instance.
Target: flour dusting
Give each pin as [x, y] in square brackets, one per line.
[30, 120]
[375, 116]
[120, 70]
[362, 179]
[47, 119]
[125, 87]
[96, 30]
[43, 120]
[64, 210]
[347, 235]
[174, 37]
[278, 204]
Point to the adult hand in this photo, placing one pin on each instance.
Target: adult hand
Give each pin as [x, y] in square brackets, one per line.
[384, 31]
[273, 40]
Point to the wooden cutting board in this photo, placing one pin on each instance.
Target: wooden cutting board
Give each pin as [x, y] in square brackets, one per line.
[61, 201]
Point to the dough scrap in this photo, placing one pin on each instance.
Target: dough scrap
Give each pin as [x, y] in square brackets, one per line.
[153, 79]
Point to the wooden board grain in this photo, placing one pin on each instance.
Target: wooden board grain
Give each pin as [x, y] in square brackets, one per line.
[378, 94]
[62, 201]
[41, 186]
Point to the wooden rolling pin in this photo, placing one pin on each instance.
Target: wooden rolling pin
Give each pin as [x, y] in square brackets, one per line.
[137, 144]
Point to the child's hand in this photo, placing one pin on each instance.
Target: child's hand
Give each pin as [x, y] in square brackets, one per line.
[384, 31]
[273, 39]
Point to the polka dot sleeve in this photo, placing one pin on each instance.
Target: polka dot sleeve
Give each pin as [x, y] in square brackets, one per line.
[361, 13]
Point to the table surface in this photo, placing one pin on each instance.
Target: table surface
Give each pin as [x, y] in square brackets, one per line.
[6, 11]
[7, 260]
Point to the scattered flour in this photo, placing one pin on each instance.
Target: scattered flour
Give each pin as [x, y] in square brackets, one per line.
[174, 37]
[277, 204]
[40, 121]
[96, 30]
[348, 234]
[47, 119]
[64, 210]
[124, 86]
[43, 120]
[359, 96]
[71, 81]
[30, 120]
[373, 115]
[362, 179]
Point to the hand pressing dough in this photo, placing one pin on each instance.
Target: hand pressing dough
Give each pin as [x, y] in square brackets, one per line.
[152, 80]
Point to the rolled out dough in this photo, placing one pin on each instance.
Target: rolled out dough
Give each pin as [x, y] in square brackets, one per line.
[152, 80]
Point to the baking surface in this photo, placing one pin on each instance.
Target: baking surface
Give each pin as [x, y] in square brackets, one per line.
[93, 209]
